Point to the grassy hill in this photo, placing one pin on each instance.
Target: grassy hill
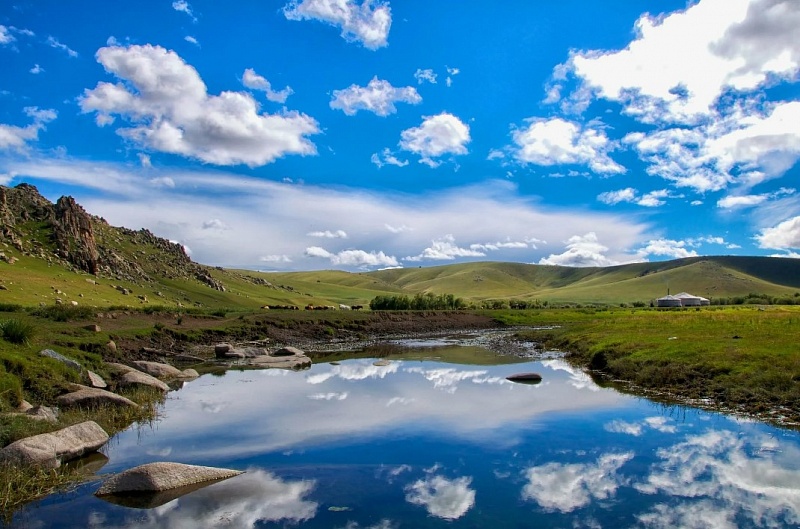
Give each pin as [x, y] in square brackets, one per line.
[59, 252]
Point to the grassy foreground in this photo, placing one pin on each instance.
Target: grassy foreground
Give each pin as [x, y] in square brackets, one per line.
[744, 359]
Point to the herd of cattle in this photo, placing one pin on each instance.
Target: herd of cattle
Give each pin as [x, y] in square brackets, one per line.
[313, 307]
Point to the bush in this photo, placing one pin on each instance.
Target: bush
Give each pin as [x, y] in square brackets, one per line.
[17, 331]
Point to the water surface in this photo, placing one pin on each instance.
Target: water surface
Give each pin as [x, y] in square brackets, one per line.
[425, 442]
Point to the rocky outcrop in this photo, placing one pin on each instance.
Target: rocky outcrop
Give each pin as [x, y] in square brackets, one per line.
[51, 449]
[156, 477]
[73, 235]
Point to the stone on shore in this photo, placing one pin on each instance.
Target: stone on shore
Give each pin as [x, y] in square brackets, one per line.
[51, 449]
[189, 373]
[93, 397]
[156, 477]
[137, 378]
[158, 369]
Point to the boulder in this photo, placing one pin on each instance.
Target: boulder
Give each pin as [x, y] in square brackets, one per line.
[234, 354]
[111, 346]
[250, 352]
[137, 378]
[288, 351]
[381, 363]
[158, 369]
[221, 348]
[282, 362]
[92, 327]
[189, 373]
[43, 413]
[93, 397]
[69, 362]
[51, 449]
[96, 380]
[156, 477]
[120, 369]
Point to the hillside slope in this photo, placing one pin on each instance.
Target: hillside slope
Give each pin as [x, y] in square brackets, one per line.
[51, 252]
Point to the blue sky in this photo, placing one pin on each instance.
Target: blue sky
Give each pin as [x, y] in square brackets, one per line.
[357, 135]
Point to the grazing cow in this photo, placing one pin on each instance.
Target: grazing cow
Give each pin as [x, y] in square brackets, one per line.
[357, 307]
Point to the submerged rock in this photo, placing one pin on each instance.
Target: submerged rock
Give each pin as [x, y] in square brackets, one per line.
[51, 449]
[525, 378]
[157, 477]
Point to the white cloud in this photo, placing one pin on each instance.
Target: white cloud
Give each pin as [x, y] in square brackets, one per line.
[327, 234]
[720, 467]
[654, 198]
[386, 157]
[36, 69]
[329, 396]
[379, 97]
[451, 72]
[184, 7]
[54, 43]
[437, 136]
[256, 82]
[354, 258]
[443, 498]
[275, 259]
[170, 110]
[734, 44]
[566, 487]
[215, 224]
[144, 159]
[784, 236]
[5, 36]
[615, 197]
[116, 192]
[660, 424]
[494, 246]
[556, 141]
[666, 248]
[444, 249]
[425, 76]
[739, 201]
[582, 250]
[16, 138]
[367, 22]
[191, 40]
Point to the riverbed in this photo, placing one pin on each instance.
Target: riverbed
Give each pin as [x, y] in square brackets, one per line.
[432, 434]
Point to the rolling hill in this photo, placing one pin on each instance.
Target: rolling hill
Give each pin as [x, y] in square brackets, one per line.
[51, 252]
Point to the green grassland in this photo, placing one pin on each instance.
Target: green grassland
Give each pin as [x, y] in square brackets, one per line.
[740, 358]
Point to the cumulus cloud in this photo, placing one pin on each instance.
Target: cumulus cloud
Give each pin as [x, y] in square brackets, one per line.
[367, 22]
[582, 250]
[171, 111]
[783, 236]
[556, 141]
[328, 234]
[355, 258]
[425, 76]
[734, 44]
[36, 69]
[444, 249]
[254, 81]
[443, 498]
[379, 97]
[387, 157]
[437, 136]
[54, 43]
[615, 197]
[666, 248]
[16, 138]
[566, 487]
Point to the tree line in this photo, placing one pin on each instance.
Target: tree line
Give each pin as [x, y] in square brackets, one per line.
[426, 301]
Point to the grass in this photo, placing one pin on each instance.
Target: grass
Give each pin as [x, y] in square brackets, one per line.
[744, 359]
[17, 331]
[22, 484]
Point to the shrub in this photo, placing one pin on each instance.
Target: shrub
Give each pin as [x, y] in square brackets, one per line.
[65, 313]
[17, 331]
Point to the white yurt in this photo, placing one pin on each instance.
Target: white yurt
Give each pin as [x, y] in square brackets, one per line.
[669, 301]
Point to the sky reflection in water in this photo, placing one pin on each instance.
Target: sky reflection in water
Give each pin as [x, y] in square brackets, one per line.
[430, 444]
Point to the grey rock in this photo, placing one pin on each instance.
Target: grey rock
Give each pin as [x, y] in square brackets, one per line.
[92, 397]
[189, 373]
[69, 362]
[156, 477]
[51, 449]
[221, 348]
[96, 380]
[120, 369]
[137, 378]
[158, 369]
[288, 351]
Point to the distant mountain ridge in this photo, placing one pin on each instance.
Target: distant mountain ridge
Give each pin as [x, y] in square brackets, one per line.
[52, 252]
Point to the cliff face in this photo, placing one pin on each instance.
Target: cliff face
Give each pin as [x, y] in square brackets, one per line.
[73, 235]
[66, 234]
